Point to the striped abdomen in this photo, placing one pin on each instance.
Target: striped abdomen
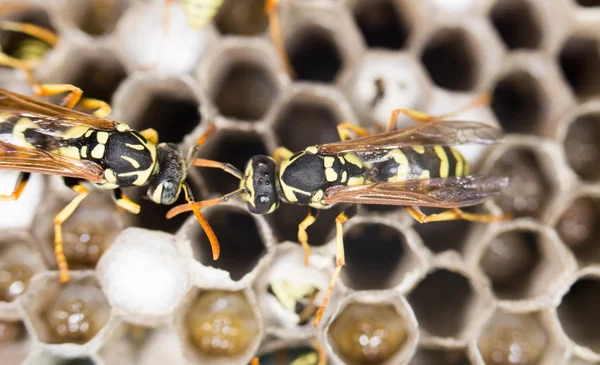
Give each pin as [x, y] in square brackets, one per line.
[410, 163]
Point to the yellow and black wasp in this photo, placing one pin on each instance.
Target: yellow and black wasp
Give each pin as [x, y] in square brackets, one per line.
[411, 167]
[37, 137]
[299, 299]
[315, 355]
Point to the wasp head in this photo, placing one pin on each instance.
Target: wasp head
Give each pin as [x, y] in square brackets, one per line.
[259, 187]
[170, 175]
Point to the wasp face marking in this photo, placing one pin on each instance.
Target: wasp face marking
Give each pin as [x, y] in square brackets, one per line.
[259, 184]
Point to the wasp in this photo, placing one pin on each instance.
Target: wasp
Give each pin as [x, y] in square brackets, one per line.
[296, 298]
[315, 355]
[409, 167]
[38, 137]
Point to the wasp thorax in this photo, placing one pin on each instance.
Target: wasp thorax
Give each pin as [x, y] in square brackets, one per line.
[171, 168]
[259, 185]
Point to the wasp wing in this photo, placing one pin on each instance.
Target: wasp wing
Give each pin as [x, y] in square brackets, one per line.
[33, 160]
[451, 192]
[439, 133]
[50, 116]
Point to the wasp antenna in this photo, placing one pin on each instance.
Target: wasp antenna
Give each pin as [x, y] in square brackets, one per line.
[212, 237]
[203, 204]
[230, 169]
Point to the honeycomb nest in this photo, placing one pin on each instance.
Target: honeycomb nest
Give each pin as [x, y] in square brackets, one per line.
[145, 290]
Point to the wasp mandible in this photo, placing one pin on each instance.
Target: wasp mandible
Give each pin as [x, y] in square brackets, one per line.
[409, 167]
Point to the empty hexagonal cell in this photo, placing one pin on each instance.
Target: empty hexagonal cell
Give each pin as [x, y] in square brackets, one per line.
[94, 17]
[383, 23]
[21, 45]
[75, 312]
[244, 87]
[442, 236]
[368, 329]
[308, 112]
[87, 233]
[519, 102]
[445, 303]
[588, 3]
[530, 185]
[377, 256]
[520, 339]
[18, 263]
[581, 146]
[579, 227]
[241, 247]
[575, 310]
[219, 327]
[242, 17]
[516, 21]
[578, 59]
[522, 264]
[451, 49]
[169, 105]
[314, 54]
[233, 147]
[426, 356]
[14, 342]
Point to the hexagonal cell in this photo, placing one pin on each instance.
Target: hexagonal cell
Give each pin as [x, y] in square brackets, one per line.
[383, 23]
[220, 327]
[241, 247]
[522, 263]
[152, 101]
[579, 228]
[578, 59]
[519, 102]
[442, 236]
[233, 147]
[242, 17]
[46, 357]
[517, 23]
[291, 355]
[94, 17]
[87, 233]
[18, 263]
[575, 310]
[75, 312]
[311, 46]
[21, 45]
[160, 346]
[444, 303]
[530, 184]
[451, 49]
[14, 342]
[307, 112]
[372, 329]
[97, 71]
[377, 256]
[425, 356]
[242, 83]
[520, 339]
[581, 145]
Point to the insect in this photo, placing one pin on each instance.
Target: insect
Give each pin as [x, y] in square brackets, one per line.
[410, 167]
[315, 355]
[296, 298]
[29, 53]
[37, 137]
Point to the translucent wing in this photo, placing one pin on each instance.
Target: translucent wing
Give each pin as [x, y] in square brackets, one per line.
[442, 133]
[451, 192]
[25, 159]
[50, 116]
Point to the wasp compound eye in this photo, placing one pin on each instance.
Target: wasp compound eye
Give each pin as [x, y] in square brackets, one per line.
[260, 184]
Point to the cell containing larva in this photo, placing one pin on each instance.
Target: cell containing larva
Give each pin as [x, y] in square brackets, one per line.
[219, 327]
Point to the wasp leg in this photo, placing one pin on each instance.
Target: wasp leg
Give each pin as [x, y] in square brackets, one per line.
[150, 134]
[229, 168]
[59, 219]
[31, 30]
[22, 180]
[275, 30]
[255, 361]
[124, 202]
[345, 128]
[312, 215]
[424, 117]
[199, 142]
[281, 153]
[102, 109]
[454, 214]
[340, 260]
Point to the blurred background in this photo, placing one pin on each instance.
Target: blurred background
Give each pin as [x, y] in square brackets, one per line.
[145, 289]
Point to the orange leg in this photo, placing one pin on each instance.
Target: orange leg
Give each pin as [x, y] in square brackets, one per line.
[22, 180]
[311, 217]
[193, 153]
[212, 237]
[454, 214]
[424, 117]
[275, 30]
[345, 128]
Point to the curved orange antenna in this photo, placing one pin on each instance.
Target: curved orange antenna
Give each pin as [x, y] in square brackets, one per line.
[205, 203]
[212, 237]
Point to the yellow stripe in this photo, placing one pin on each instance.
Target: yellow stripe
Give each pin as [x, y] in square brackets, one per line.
[419, 149]
[133, 162]
[439, 151]
[459, 162]
[425, 175]
[403, 167]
